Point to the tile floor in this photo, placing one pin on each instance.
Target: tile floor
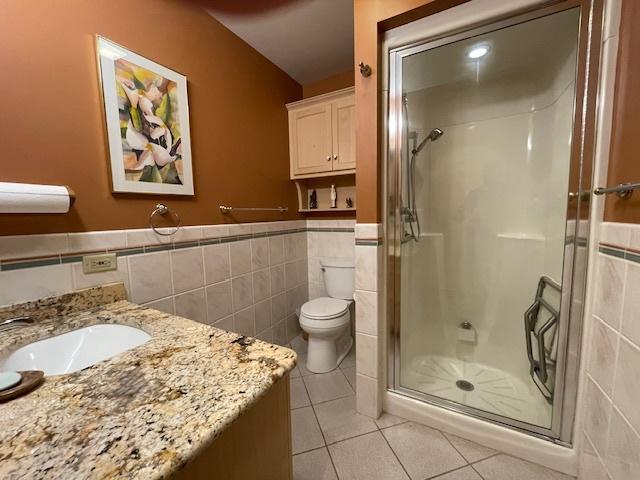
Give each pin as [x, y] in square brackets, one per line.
[333, 442]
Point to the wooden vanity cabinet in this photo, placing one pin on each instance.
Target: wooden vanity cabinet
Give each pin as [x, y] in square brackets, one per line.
[256, 446]
[322, 135]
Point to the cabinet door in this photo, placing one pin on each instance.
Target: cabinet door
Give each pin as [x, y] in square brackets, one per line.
[310, 133]
[344, 133]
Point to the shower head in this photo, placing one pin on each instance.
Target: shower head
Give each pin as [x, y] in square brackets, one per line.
[434, 135]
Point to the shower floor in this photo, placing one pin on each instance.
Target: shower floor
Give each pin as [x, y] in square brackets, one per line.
[479, 386]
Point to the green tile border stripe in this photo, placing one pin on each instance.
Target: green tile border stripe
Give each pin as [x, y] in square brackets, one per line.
[580, 241]
[619, 252]
[41, 262]
[369, 242]
[73, 257]
[612, 252]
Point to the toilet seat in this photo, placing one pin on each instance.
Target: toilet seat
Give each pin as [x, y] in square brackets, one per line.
[324, 308]
[324, 313]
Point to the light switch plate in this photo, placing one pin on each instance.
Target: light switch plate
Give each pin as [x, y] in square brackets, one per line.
[102, 262]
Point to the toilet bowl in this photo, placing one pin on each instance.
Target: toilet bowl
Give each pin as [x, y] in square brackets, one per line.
[327, 320]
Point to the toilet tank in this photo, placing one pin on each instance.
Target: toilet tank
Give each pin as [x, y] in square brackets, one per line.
[339, 277]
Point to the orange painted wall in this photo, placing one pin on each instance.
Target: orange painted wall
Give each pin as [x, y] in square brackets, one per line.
[52, 128]
[624, 165]
[371, 18]
[329, 84]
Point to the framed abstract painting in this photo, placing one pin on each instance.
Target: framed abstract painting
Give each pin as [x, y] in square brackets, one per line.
[147, 119]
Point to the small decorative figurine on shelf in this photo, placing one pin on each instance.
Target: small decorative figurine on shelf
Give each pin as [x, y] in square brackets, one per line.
[349, 202]
[313, 200]
[334, 196]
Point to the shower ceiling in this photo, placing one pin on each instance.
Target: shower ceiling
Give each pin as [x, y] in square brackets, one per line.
[442, 67]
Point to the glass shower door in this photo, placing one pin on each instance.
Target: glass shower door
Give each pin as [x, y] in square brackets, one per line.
[484, 132]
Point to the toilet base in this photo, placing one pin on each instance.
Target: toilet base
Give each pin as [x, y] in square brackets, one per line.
[324, 354]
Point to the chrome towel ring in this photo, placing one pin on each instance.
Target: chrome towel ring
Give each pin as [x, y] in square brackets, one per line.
[162, 209]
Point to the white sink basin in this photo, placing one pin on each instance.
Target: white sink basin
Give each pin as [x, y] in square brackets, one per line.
[75, 350]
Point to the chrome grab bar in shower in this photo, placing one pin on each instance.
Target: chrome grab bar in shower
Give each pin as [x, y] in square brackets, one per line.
[623, 190]
[539, 368]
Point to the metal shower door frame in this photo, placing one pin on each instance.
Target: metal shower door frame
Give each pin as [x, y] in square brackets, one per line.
[581, 161]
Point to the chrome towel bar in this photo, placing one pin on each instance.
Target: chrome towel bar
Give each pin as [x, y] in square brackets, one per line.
[228, 209]
[624, 190]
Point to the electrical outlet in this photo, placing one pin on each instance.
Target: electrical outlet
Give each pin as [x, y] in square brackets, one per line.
[102, 262]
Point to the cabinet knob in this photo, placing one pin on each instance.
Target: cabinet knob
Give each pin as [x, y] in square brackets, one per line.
[328, 158]
[335, 157]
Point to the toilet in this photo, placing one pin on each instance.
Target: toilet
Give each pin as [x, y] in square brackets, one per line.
[327, 320]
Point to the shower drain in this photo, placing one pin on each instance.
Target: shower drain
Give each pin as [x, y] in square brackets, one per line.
[464, 385]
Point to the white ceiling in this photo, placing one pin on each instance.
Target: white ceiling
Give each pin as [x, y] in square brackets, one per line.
[531, 48]
[308, 39]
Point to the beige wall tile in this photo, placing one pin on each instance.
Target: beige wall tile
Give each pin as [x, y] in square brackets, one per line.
[631, 307]
[219, 301]
[244, 322]
[263, 315]
[24, 246]
[240, 253]
[368, 399]
[192, 305]
[150, 276]
[261, 285]
[367, 312]
[97, 241]
[367, 355]
[597, 414]
[626, 391]
[623, 453]
[216, 263]
[242, 290]
[187, 269]
[165, 305]
[259, 253]
[34, 283]
[277, 279]
[602, 361]
[609, 289]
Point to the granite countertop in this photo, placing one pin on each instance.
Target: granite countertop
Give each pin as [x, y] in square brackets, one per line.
[141, 414]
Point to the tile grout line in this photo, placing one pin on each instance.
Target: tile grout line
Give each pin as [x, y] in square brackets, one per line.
[324, 401]
[394, 453]
[318, 421]
[324, 439]
[453, 446]
[491, 456]
[476, 470]
[440, 475]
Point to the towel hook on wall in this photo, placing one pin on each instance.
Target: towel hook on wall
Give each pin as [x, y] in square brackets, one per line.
[365, 70]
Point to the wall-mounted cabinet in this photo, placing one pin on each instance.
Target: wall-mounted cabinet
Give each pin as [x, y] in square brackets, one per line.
[322, 135]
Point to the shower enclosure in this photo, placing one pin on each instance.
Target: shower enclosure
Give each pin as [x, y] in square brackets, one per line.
[486, 174]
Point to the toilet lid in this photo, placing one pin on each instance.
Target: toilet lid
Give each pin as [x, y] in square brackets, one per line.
[324, 308]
